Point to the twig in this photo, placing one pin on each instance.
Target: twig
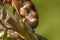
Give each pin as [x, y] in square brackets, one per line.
[15, 26]
[3, 25]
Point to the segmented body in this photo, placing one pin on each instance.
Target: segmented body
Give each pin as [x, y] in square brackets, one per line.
[24, 9]
[29, 12]
[26, 12]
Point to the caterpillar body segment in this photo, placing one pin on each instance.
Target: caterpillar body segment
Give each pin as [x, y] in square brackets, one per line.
[25, 9]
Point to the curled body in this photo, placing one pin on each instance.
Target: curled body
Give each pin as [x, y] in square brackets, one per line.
[25, 9]
[29, 12]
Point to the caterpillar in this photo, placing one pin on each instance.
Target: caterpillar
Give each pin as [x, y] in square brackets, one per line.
[29, 12]
[26, 10]
[26, 13]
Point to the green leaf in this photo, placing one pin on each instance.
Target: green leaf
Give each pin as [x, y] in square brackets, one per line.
[2, 12]
[5, 36]
[10, 10]
[11, 38]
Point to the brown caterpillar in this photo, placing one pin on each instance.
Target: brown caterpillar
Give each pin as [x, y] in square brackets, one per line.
[28, 12]
[25, 9]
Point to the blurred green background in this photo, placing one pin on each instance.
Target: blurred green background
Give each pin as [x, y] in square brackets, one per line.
[49, 18]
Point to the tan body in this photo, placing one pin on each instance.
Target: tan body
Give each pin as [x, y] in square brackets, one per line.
[27, 14]
[22, 9]
[31, 17]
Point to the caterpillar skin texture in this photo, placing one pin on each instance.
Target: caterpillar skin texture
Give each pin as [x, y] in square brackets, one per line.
[25, 9]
